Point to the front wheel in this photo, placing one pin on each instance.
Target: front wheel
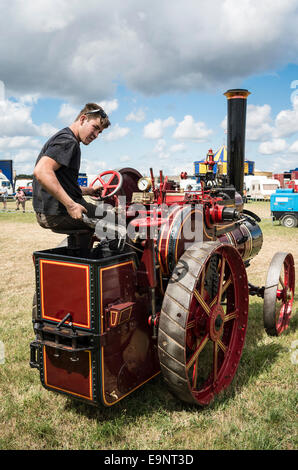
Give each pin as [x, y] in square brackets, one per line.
[203, 322]
[279, 293]
[289, 221]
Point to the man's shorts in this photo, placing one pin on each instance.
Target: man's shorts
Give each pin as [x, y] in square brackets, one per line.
[65, 222]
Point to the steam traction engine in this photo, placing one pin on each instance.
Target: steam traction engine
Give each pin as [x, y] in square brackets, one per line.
[157, 284]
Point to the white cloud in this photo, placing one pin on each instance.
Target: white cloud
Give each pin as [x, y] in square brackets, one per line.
[109, 106]
[24, 160]
[116, 133]
[16, 120]
[2, 91]
[93, 167]
[25, 156]
[125, 158]
[259, 125]
[294, 148]
[164, 155]
[45, 16]
[286, 122]
[165, 152]
[155, 129]
[150, 47]
[46, 130]
[160, 146]
[18, 142]
[177, 148]
[68, 113]
[280, 164]
[258, 122]
[274, 146]
[189, 129]
[188, 167]
[30, 99]
[137, 116]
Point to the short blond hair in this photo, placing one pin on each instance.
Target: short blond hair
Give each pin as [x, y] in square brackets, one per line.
[93, 111]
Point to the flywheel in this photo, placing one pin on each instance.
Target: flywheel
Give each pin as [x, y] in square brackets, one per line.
[203, 321]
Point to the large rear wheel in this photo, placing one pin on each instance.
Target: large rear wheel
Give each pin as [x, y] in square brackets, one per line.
[203, 322]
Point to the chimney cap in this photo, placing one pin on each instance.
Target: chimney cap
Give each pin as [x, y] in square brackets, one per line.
[237, 93]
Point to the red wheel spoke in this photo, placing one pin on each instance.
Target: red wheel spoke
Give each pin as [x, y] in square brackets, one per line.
[202, 302]
[222, 346]
[190, 324]
[101, 180]
[224, 288]
[111, 179]
[282, 282]
[195, 372]
[226, 285]
[221, 278]
[199, 349]
[231, 316]
[203, 279]
[215, 359]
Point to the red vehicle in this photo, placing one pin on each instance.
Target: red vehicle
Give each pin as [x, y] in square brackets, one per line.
[161, 289]
[28, 190]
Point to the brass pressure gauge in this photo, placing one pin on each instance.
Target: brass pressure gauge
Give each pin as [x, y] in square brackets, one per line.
[144, 184]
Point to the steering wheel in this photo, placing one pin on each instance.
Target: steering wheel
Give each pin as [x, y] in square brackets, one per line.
[111, 181]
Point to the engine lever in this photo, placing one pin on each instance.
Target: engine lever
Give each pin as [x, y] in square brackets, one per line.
[88, 221]
[70, 324]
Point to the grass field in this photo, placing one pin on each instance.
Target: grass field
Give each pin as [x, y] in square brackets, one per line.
[258, 410]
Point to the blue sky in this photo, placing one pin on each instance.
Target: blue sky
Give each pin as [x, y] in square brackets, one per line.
[159, 69]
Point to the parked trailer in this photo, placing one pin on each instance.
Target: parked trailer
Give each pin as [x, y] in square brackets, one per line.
[260, 187]
[284, 206]
[5, 183]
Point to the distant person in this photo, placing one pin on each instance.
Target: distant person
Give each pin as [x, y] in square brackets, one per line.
[57, 197]
[20, 198]
[3, 196]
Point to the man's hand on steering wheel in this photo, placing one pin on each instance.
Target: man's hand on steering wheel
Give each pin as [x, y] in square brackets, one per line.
[92, 191]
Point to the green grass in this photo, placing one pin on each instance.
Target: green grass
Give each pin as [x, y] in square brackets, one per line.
[12, 215]
[257, 411]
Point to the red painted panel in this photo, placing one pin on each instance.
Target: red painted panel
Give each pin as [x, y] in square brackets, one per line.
[65, 375]
[65, 289]
[117, 282]
[129, 359]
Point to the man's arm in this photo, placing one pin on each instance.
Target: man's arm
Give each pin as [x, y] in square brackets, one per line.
[44, 172]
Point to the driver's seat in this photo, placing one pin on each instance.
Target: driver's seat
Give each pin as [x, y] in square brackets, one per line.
[78, 242]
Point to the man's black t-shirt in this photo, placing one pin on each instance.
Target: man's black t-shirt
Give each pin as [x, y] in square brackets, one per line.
[64, 148]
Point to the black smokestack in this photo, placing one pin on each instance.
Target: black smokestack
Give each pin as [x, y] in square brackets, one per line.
[236, 137]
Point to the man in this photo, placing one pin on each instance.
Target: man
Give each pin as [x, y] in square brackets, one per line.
[20, 198]
[4, 196]
[57, 197]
